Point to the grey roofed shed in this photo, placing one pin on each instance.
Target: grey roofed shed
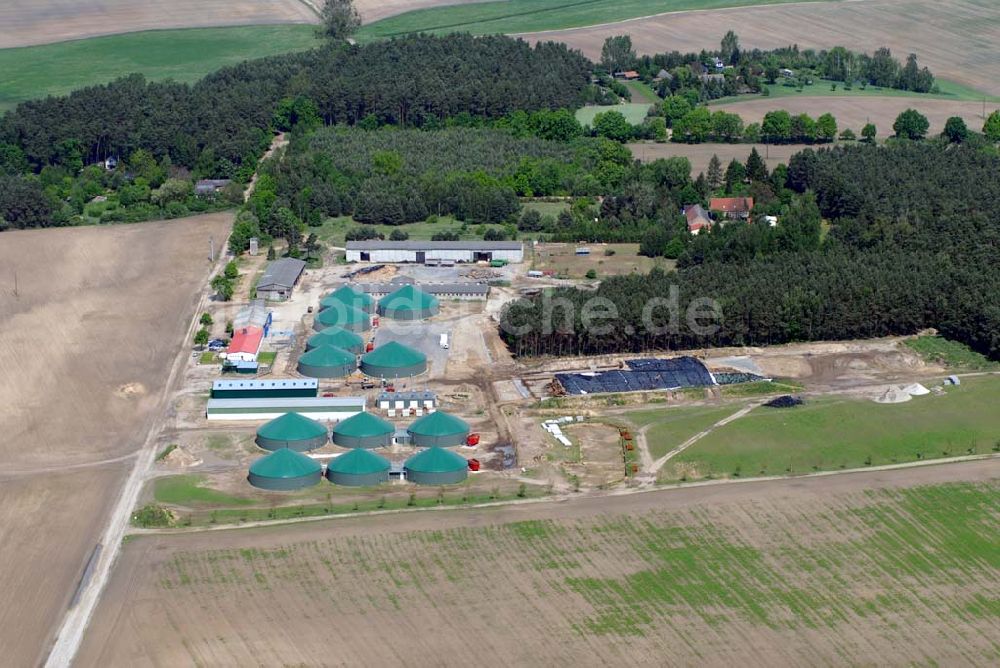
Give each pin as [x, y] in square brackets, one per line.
[280, 277]
[434, 245]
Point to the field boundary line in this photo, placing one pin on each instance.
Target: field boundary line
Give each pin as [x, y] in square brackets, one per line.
[557, 499]
[661, 462]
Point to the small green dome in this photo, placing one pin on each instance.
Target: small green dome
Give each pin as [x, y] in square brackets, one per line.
[343, 316]
[408, 303]
[363, 425]
[358, 462]
[394, 355]
[291, 430]
[439, 423]
[337, 337]
[436, 460]
[327, 362]
[285, 464]
[349, 296]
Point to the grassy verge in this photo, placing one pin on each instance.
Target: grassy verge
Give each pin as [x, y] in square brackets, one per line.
[187, 490]
[950, 354]
[634, 112]
[949, 90]
[760, 389]
[182, 55]
[515, 16]
[834, 433]
[267, 357]
[208, 357]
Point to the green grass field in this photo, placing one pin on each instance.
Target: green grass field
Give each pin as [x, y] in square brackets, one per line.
[831, 433]
[634, 112]
[950, 90]
[183, 55]
[188, 490]
[950, 354]
[515, 16]
[672, 426]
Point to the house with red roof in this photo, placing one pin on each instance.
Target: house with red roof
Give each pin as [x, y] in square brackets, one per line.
[245, 344]
[734, 208]
[697, 218]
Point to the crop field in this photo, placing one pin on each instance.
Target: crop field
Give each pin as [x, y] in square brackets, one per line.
[958, 39]
[832, 432]
[634, 112]
[781, 573]
[27, 22]
[510, 16]
[701, 154]
[182, 55]
[86, 347]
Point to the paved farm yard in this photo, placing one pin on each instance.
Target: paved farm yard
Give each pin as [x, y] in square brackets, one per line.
[808, 573]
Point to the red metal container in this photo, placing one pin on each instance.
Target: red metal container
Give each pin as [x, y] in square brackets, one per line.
[472, 440]
[474, 464]
[370, 347]
[375, 321]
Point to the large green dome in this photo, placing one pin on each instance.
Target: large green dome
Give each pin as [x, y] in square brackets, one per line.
[408, 303]
[344, 316]
[337, 337]
[436, 466]
[293, 431]
[438, 429]
[393, 360]
[358, 468]
[363, 430]
[327, 362]
[285, 470]
[349, 296]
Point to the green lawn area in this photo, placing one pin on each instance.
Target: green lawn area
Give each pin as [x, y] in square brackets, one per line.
[333, 229]
[267, 357]
[672, 426]
[642, 93]
[831, 433]
[183, 55]
[950, 354]
[187, 490]
[514, 16]
[950, 90]
[547, 208]
[634, 113]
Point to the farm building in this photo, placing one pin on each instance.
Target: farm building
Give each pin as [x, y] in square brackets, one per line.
[337, 337]
[332, 409]
[358, 468]
[438, 429]
[343, 316]
[732, 207]
[285, 470]
[280, 278]
[327, 362]
[210, 187]
[364, 430]
[697, 218]
[436, 466]
[246, 389]
[346, 294]
[422, 251]
[256, 314]
[420, 399]
[408, 303]
[393, 360]
[245, 344]
[447, 290]
[292, 431]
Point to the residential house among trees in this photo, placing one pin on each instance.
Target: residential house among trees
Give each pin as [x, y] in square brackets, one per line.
[697, 218]
[733, 208]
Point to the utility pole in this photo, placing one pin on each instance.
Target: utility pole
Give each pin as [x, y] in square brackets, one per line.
[16, 294]
[211, 249]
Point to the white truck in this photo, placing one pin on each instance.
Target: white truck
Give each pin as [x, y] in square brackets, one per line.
[444, 341]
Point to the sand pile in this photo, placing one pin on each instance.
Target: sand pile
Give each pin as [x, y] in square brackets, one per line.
[894, 395]
[916, 390]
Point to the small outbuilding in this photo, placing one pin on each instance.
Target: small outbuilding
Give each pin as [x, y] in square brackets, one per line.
[438, 429]
[285, 470]
[408, 303]
[338, 337]
[393, 360]
[364, 430]
[327, 361]
[280, 278]
[292, 431]
[358, 468]
[436, 466]
[343, 316]
[349, 296]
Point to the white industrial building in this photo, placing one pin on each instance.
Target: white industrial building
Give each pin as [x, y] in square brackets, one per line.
[434, 251]
[327, 409]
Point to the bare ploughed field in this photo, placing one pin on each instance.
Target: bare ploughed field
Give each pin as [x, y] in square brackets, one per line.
[848, 569]
[701, 154]
[958, 39]
[86, 347]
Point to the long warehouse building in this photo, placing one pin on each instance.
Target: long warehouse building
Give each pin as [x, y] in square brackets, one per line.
[332, 409]
[424, 251]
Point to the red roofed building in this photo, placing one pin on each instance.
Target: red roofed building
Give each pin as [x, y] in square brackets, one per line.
[245, 344]
[697, 218]
[628, 75]
[732, 207]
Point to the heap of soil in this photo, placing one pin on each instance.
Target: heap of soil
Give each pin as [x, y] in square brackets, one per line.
[894, 395]
[784, 401]
[181, 459]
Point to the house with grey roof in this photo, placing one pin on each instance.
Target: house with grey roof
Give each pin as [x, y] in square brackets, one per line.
[280, 278]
